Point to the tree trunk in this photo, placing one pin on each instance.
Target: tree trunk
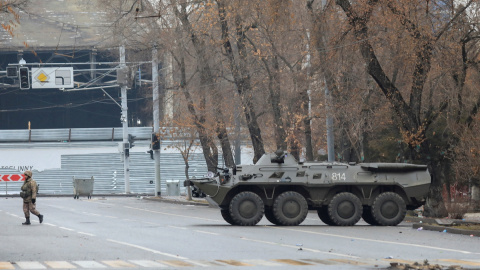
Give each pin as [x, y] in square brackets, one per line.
[274, 90]
[207, 82]
[241, 77]
[210, 151]
[408, 115]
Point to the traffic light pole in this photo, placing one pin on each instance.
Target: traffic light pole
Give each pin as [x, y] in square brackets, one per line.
[126, 157]
[156, 119]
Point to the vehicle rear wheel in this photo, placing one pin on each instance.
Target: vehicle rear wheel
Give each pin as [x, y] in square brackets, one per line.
[271, 217]
[290, 208]
[368, 216]
[226, 216]
[389, 209]
[345, 209]
[324, 217]
[246, 208]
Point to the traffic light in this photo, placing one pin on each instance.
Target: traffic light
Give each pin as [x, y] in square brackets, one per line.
[131, 140]
[155, 142]
[24, 76]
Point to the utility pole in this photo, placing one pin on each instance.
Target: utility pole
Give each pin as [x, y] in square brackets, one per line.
[156, 118]
[126, 146]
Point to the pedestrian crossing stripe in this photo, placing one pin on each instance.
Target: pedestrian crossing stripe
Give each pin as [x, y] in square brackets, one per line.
[234, 263]
[108, 264]
[6, 265]
[292, 262]
[59, 264]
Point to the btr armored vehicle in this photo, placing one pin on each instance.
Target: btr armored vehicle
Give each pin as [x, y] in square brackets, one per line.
[283, 190]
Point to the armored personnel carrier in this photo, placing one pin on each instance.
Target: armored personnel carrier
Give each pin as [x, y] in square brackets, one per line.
[283, 190]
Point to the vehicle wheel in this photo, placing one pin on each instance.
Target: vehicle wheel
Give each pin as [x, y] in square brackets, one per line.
[389, 209]
[246, 208]
[226, 216]
[271, 217]
[290, 208]
[368, 216]
[345, 209]
[324, 217]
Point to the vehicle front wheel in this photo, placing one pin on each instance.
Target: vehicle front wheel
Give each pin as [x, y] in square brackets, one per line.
[389, 209]
[246, 208]
[290, 208]
[345, 209]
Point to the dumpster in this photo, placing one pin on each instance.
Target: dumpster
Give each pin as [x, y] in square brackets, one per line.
[173, 188]
[82, 186]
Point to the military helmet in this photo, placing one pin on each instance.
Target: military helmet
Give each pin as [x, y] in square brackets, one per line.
[28, 173]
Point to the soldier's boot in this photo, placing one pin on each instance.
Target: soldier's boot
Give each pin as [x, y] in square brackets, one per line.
[27, 222]
[40, 218]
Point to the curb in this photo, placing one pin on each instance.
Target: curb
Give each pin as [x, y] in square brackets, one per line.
[422, 223]
[420, 226]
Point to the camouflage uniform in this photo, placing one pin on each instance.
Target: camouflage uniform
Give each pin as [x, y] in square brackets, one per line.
[29, 190]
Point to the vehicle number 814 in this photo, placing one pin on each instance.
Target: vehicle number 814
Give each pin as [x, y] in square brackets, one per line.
[338, 177]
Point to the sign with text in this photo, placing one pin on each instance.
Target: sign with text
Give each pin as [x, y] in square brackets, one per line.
[61, 77]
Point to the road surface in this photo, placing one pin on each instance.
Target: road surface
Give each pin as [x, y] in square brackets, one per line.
[131, 232]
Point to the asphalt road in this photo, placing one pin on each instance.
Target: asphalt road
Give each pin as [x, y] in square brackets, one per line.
[129, 232]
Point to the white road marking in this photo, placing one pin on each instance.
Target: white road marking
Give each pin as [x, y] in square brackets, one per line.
[176, 227]
[207, 232]
[67, 229]
[374, 240]
[50, 224]
[146, 263]
[60, 265]
[292, 246]
[31, 265]
[148, 249]
[89, 234]
[89, 264]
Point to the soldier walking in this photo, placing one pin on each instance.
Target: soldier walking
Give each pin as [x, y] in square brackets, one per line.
[29, 195]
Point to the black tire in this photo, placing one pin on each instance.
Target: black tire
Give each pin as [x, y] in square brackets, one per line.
[290, 208]
[368, 216]
[246, 208]
[389, 209]
[324, 217]
[227, 217]
[345, 209]
[271, 217]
